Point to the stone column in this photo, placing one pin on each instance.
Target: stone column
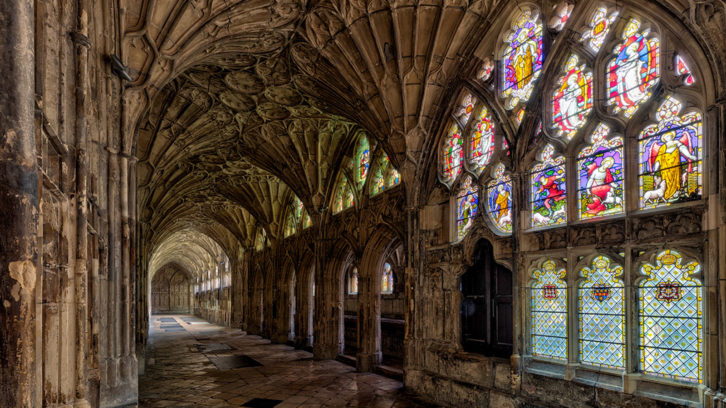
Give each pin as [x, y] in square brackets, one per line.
[19, 207]
[328, 308]
[369, 318]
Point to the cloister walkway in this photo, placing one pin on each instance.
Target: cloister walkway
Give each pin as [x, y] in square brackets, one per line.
[193, 363]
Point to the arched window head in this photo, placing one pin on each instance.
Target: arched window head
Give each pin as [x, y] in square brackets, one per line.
[634, 70]
[681, 69]
[601, 314]
[362, 161]
[549, 199]
[522, 58]
[353, 281]
[344, 197]
[386, 176]
[670, 157]
[671, 318]
[499, 200]
[387, 279]
[481, 145]
[572, 100]
[452, 154]
[598, 29]
[467, 204]
[549, 311]
[600, 182]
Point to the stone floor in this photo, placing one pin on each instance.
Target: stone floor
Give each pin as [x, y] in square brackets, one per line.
[192, 363]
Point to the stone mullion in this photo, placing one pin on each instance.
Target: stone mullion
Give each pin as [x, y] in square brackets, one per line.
[632, 324]
[19, 198]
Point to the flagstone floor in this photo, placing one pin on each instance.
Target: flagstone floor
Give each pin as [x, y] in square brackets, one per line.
[192, 363]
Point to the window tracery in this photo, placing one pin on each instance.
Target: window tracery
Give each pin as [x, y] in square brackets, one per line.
[598, 28]
[386, 175]
[344, 197]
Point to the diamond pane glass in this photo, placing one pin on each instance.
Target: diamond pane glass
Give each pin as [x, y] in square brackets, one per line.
[522, 58]
[453, 154]
[549, 200]
[467, 204]
[670, 157]
[601, 314]
[549, 312]
[634, 71]
[482, 140]
[600, 182]
[671, 318]
[572, 101]
[499, 200]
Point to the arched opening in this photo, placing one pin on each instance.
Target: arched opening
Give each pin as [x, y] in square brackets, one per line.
[170, 291]
[304, 306]
[350, 312]
[486, 305]
[392, 310]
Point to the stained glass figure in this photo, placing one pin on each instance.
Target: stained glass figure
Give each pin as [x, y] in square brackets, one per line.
[549, 200]
[598, 28]
[572, 100]
[634, 71]
[453, 154]
[465, 108]
[549, 311]
[482, 140]
[601, 307]
[353, 281]
[344, 197]
[362, 161]
[467, 204]
[393, 178]
[387, 279]
[682, 69]
[486, 71]
[671, 318]
[499, 200]
[560, 16]
[670, 157]
[386, 176]
[522, 58]
[600, 182]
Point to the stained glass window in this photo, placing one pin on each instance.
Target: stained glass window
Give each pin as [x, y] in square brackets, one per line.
[519, 116]
[549, 311]
[353, 281]
[482, 140]
[387, 279]
[386, 176]
[601, 305]
[453, 154]
[549, 201]
[671, 333]
[487, 68]
[465, 108]
[634, 71]
[344, 197]
[362, 161]
[467, 204]
[600, 189]
[290, 222]
[560, 16]
[594, 36]
[572, 101]
[670, 157]
[260, 239]
[306, 221]
[682, 69]
[522, 58]
[499, 200]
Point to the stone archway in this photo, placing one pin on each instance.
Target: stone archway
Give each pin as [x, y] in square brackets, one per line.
[170, 291]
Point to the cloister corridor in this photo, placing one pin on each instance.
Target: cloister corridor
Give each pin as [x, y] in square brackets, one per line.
[194, 363]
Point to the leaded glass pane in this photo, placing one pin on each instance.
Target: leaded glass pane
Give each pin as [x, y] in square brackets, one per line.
[344, 197]
[453, 154]
[499, 200]
[572, 100]
[467, 204]
[482, 140]
[387, 279]
[682, 69]
[594, 36]
[600, 190]
[670, 157]
[362, 161]
[522, 58]
[634, 71]
[549, 311]
[549, 200]
[601, 314]
[670, 312]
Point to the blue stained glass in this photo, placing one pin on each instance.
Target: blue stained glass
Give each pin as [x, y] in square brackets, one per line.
[549, 199]
[601, 314]
[549, 311]
[671, 318]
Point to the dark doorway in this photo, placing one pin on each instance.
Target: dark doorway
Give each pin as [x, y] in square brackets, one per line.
[486, 305]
